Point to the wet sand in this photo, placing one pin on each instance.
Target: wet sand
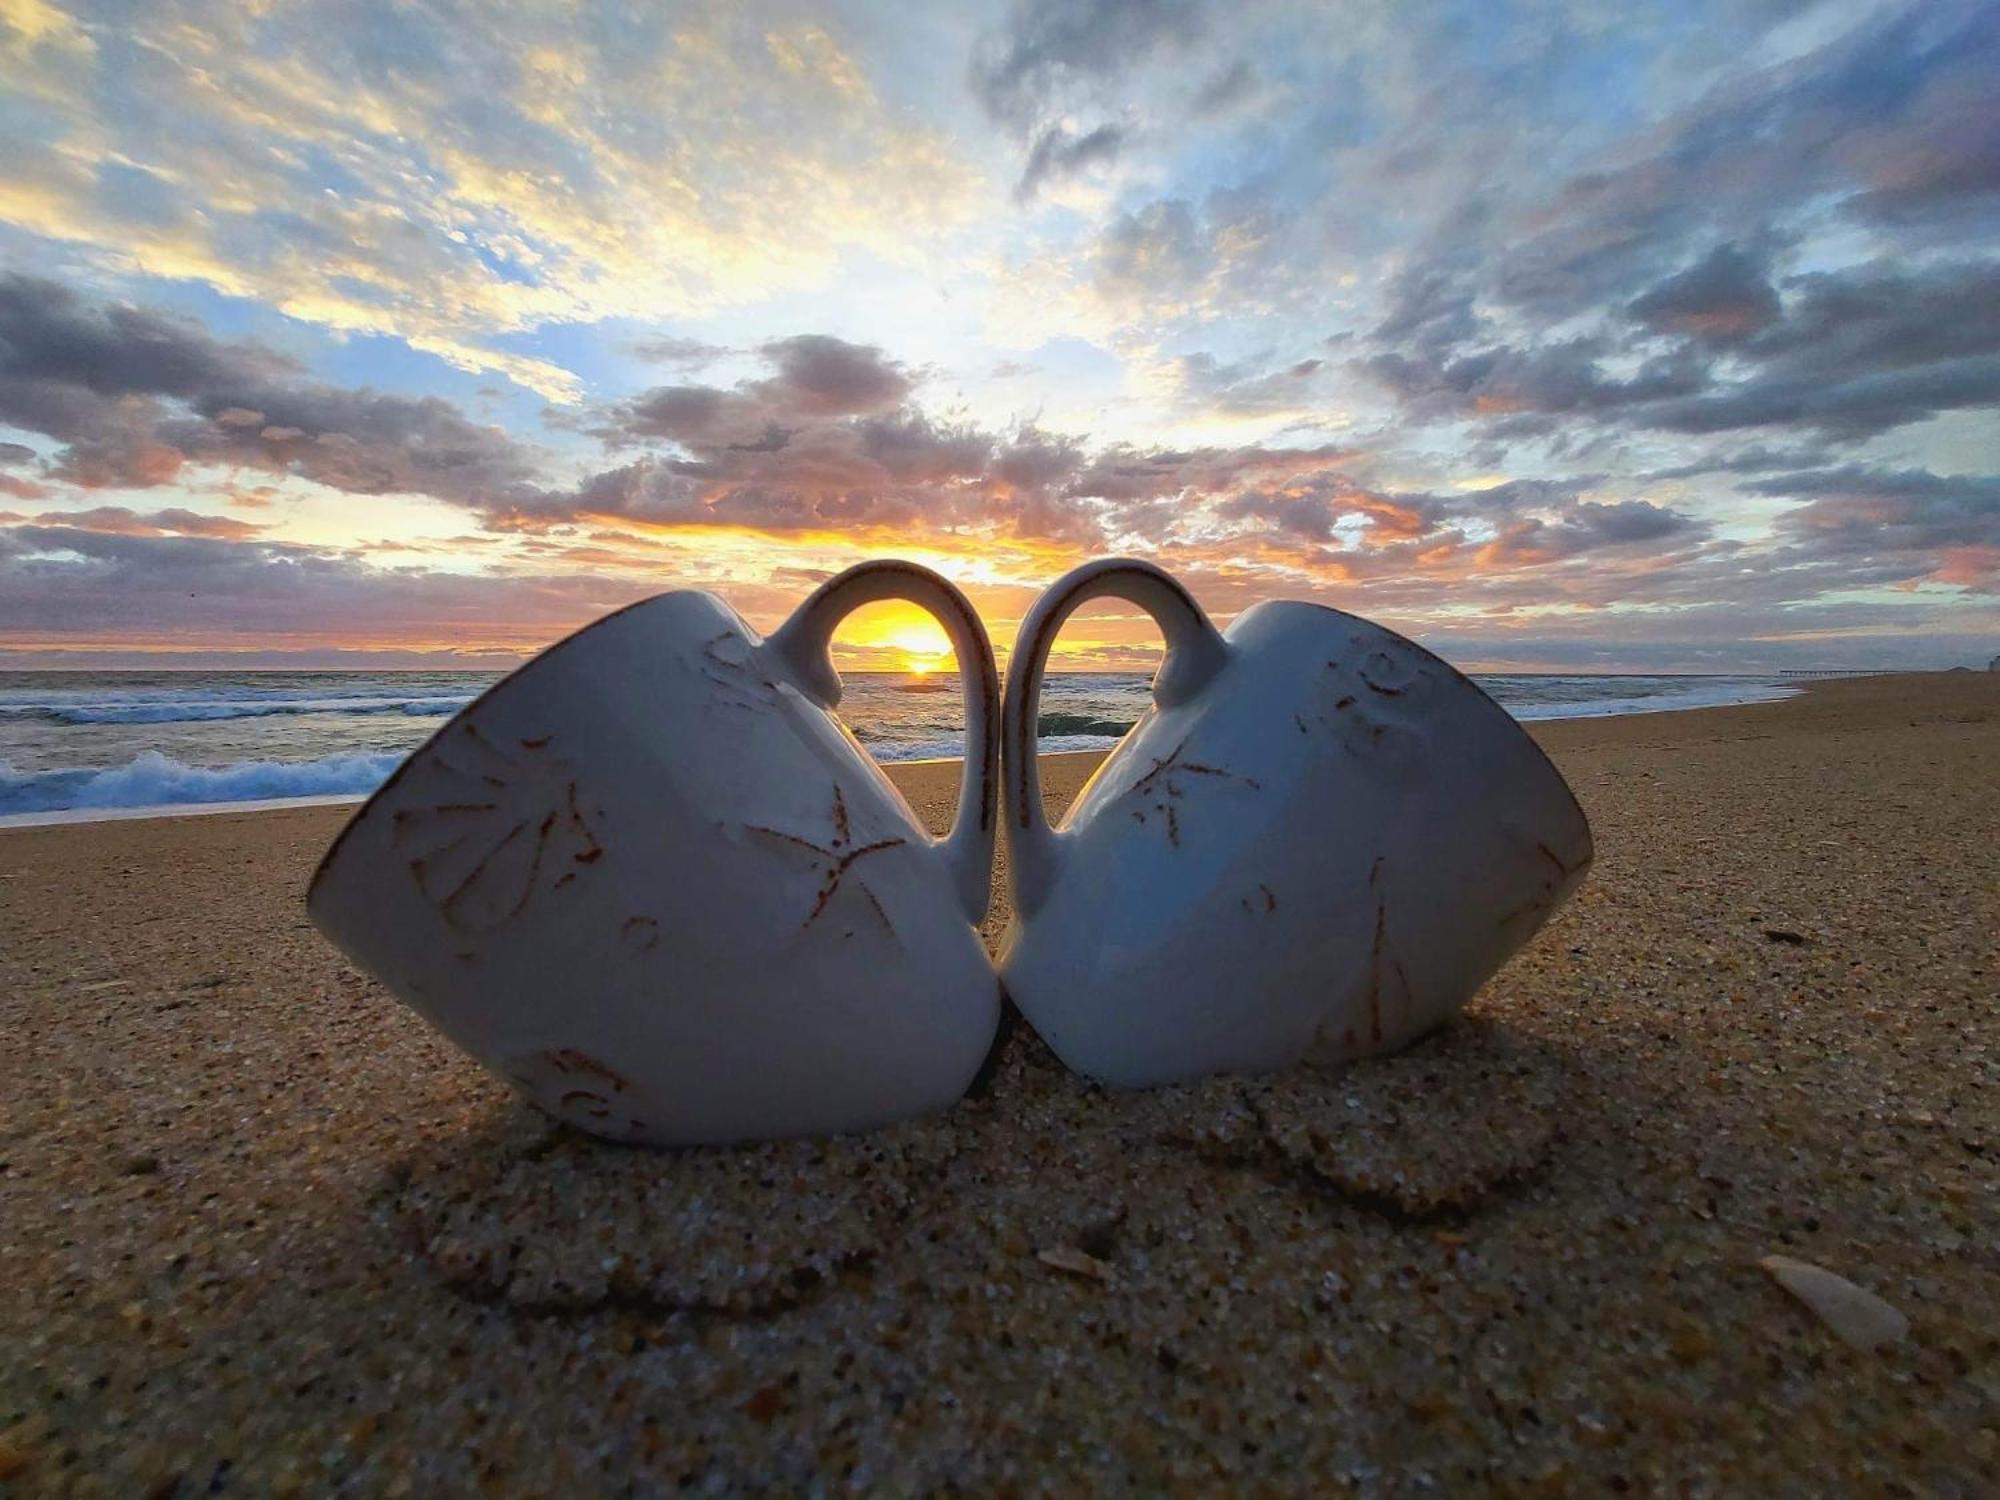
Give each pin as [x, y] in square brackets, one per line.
[262, 1233]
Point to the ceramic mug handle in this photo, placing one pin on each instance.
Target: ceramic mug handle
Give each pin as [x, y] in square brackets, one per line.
[1195, 652]
[802, 643]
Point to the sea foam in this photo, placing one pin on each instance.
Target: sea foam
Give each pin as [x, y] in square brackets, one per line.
[151, 779]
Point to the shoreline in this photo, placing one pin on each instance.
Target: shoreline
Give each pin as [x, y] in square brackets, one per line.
[266, 1228]
[63, 816]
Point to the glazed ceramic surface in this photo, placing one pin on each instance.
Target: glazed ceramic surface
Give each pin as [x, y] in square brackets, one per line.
[652, 880]
[1317, 843]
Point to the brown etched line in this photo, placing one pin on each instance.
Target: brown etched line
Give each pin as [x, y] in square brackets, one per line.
[641, 934]
[539, 744]
[1553, 858]
[1375, 954]
[1269, 904]
[595, 851]
[421, 866]
[569, 1060]
[448, 903]
[790, 838]
[1161, 782]
[408, 815]
[745, 687]
[1541, 900]
[876, 902]
[839, 873]
[837, 859]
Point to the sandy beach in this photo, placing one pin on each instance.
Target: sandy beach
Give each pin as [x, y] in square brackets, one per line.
[264, 1233]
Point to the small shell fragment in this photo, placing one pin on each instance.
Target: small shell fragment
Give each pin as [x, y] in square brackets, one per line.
[1076, 1262]
[1856, 1315]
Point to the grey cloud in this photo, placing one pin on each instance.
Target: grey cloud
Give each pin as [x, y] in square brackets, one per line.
[1057, 154]
[1845, 354]
[816, 377]
[1876, 512]
[670, 349]
[118, 520]
[134, 395]
[826, 376]
[1161, 248]
[1899, 115]
[1858, 407]
[1724, 298]
[1048, 48]
[1248, 387]
[62, 360]
[57, 580]
[1233, 86]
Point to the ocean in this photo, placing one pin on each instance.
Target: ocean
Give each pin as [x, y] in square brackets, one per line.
[81, 742]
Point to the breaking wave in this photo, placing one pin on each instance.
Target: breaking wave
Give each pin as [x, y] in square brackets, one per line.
[151, 779]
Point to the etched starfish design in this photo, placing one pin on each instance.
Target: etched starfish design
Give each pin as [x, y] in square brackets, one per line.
[836, 858]
[1164, 783]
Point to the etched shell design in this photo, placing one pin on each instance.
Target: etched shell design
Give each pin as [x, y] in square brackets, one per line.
[729, 662]
[496, 828]
[579, 1090]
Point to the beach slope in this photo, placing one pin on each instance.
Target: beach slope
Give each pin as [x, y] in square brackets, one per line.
[263, 1233]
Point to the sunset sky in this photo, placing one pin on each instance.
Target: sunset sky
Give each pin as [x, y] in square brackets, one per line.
[1581, 335]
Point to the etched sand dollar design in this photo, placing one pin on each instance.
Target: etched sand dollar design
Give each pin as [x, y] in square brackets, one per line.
[489, 828]
[1368, 707]
[1388, 674]
[579, 1090]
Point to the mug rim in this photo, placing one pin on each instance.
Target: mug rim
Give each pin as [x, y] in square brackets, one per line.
[1576, 804]
[554, 648]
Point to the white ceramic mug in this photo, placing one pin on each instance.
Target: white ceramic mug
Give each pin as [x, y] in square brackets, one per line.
[1316, 844]
[656, 884]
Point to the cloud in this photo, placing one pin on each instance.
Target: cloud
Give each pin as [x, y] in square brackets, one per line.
[1723, 299]
[1057, 154]
[1948, 525]
[1048, 50]
[1839, 354]
[117, 520]
[671, 349]
[135, 395]
[405, 172]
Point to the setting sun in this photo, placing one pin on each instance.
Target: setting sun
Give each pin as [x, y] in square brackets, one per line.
[893, 636]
